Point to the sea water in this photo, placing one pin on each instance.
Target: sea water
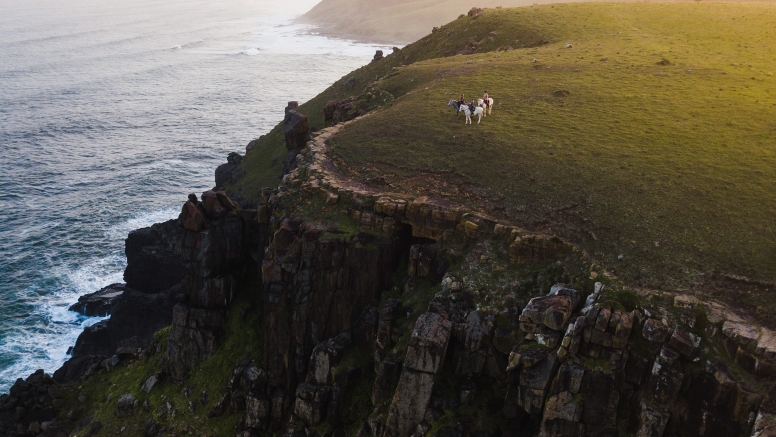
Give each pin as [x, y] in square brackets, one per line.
[110, 114]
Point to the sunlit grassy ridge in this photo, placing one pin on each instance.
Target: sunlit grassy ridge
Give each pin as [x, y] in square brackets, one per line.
[672, 166]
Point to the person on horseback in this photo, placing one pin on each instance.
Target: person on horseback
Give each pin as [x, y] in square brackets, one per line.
[471, 106]
[486, 99]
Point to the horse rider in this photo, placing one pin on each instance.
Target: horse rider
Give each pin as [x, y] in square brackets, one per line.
[461, 101]
[471, 106]
[486, 99]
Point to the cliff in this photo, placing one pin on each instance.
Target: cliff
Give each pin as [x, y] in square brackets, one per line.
[373, 297]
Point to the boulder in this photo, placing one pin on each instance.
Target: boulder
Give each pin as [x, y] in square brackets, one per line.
[192, 217]
[683, 341]
[562, 290]
[744, 334]
[216, 204]
[99, 303]
[328, 112]
[296, 130]
[655, 331]
[292, 105]
[126, 405]
[550, 311]
[230, 172]
[428, 343]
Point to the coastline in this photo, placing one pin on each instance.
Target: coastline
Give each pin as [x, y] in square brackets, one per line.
[318, 293]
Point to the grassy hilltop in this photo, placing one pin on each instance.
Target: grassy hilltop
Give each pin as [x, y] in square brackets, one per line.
[653, 137]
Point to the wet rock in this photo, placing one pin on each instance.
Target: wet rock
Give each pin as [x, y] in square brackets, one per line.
[105, 337]
[99, 303]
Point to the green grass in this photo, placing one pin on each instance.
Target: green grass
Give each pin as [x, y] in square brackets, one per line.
[242, 338]
[672, 166]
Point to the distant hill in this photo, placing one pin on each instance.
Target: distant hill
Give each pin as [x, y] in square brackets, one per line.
[398, 21]
[395, 21]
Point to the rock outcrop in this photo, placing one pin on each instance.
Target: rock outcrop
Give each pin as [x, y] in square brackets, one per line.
[99, 303]
[213, 252]
[425, 355]
[30, 407]
[296, 131]
[154, 258]
[122, 328]
[315, 287]
[230, 172]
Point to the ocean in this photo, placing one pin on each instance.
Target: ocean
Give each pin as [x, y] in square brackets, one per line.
[110, 114]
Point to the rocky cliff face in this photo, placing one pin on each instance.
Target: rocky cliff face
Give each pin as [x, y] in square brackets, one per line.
[386, 315]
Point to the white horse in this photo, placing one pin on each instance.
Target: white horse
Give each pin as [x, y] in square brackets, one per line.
[481, 104]
[478, 111]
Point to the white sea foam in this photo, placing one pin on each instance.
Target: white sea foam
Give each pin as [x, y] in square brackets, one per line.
[251, 52]
[53, 328]
[112, 110]
[140, 220]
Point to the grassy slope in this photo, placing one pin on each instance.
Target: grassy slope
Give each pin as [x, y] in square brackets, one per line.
[260, 172]
[672, 166]
[243, 338]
